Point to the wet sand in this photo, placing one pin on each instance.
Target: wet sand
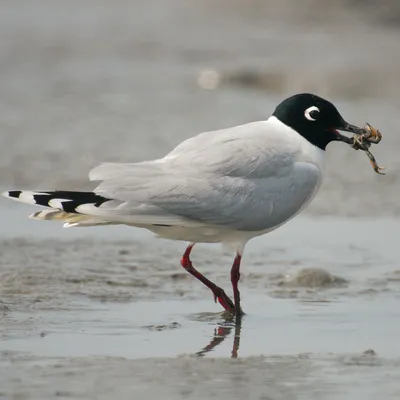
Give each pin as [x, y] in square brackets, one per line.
[107, 312]
[118, 317]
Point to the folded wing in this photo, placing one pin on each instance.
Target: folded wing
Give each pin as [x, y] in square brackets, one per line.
[234, 179]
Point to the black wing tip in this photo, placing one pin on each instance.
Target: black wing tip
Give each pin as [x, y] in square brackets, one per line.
[68, 200]
[12, 193]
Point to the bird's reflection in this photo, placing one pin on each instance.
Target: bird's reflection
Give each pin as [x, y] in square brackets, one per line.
[221, 333]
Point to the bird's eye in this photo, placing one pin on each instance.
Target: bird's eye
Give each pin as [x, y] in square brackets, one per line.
[311, 113]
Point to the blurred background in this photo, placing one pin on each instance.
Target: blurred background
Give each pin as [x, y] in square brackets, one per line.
[108, 312]
[85, 81]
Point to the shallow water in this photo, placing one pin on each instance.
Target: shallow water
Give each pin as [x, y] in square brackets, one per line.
[108, 312]
[321, 312]
[272, 327]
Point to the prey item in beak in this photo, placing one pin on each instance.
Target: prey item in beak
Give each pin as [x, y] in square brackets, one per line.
[363, 142]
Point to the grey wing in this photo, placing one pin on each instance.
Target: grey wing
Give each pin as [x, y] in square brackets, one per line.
[241, 203]
[157, 193]
[161, 197]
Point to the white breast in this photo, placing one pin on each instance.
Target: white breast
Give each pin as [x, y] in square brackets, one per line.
[293, 192]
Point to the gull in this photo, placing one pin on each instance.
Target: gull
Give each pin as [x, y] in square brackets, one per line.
[225, 186]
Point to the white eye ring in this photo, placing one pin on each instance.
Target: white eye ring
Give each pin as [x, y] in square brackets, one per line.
[309, 111]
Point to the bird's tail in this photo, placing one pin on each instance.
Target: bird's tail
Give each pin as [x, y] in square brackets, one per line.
[64, 205]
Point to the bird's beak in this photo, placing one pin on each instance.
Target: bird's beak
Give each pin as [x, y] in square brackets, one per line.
[345, 126]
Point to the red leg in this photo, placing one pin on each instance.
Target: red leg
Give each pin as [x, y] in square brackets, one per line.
[219, 293]
[235, 276]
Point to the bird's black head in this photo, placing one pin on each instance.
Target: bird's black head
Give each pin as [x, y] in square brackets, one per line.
[315, 119]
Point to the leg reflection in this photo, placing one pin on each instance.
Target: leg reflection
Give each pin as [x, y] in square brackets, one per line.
[236, 339]
[221, 333]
